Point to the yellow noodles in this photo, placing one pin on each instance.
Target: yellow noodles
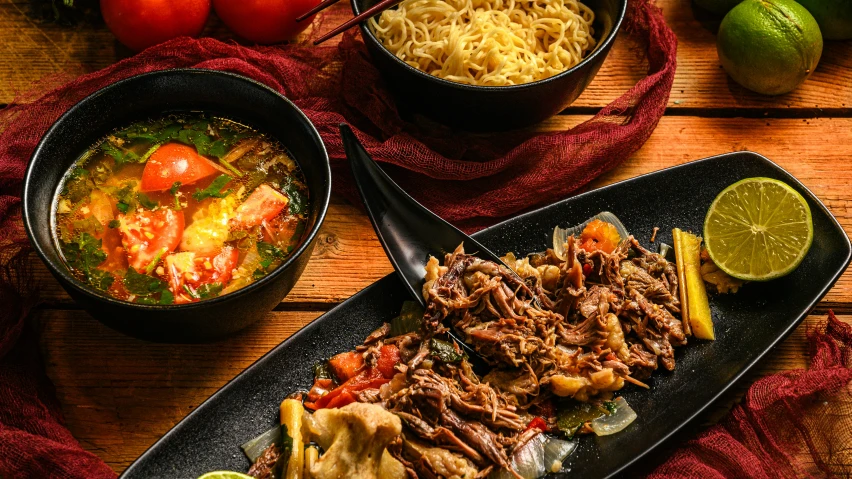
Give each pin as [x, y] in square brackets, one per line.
[488, 42]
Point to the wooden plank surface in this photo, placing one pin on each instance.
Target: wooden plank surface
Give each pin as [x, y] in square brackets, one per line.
[120, 395]
[30, 51]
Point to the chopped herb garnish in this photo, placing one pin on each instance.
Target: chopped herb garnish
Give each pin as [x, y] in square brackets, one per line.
[258, 273]
[154, 262]
[114, 224]
[120, 155]
[149, 153]
[78, 185]
[298, 201]
[85, 255]
[610, 406]
[445, 351]
[145, 201]
[146, 287]
[174, 191]
[268, 253]
[122, 206]
[191, 292]
[209, 290]
[214, 190]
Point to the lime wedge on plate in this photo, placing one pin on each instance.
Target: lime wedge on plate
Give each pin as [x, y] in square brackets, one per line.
[225, 475]
[758, 229]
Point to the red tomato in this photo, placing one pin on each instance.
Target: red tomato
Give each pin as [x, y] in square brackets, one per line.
[142, 23]
[346, 365]
[388, 358]
[264, 21]
[175, 162]
[263, 204]
[188, 269]
[148, 234]
[537, 423]
[344, 394]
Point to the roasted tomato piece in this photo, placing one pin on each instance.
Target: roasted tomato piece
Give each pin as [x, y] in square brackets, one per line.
[174, 162]
[599, 236]
[188, 271]
[345, 393]
[147, 235]
[346, 365]
[263, 204]
[388, 358]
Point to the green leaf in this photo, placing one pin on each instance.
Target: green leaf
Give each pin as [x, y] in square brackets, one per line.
[79, 184]
[142, 284]
[101, 279]
[445, 351]
[268, 253]
[408, 321]
[218, 148]
[114, 224]
[258, 273]
[298, 200]
[214, 190]
[120, 155]
[89, 225]
[122, 206]
[209, 290]
[145, 201]
[166, 297]
[85, 255]
[174, 191]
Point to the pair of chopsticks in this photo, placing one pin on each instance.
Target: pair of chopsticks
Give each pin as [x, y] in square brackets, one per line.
[375, 9]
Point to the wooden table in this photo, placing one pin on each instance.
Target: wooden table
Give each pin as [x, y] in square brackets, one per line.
[119, 395]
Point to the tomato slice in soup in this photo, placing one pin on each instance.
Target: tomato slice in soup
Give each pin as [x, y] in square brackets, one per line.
[188, 271]
[147, 235]
[175, 162]
[263, 204]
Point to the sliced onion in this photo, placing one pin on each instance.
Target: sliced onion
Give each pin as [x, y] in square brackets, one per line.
[255, 447]
[615, 422]
[555, 452]
[667, 252]
[560, 235]
[528, 461]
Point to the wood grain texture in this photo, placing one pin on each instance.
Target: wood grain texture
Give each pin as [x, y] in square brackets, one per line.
[119, 395]
[31, 50]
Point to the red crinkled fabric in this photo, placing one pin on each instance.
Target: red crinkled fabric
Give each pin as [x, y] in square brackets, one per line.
[471, 180]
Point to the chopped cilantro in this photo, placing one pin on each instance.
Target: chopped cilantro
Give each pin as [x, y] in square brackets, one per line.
[85, 255]
[298, 201]
[268, 253]
[145, 201]
[114, 224]
[214, 190]
[174, 191]
[122, 206]
[120, 155]
[147, 287]
[209, 290]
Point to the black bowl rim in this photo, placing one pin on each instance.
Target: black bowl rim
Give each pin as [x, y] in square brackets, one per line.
[96, 295]
[601, 49]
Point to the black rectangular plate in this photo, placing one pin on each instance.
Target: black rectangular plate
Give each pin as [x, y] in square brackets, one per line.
[748, 324]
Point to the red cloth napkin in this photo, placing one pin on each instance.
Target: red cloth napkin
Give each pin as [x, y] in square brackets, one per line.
[471, 180]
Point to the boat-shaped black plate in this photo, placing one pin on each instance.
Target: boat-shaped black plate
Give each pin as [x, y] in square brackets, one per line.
[748, 325]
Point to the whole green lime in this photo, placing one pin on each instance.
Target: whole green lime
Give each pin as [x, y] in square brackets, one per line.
[769, 46]
[834, 17]
[719, 7]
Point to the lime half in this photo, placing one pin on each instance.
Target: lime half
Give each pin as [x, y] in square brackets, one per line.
[758, 229]
[225, 475]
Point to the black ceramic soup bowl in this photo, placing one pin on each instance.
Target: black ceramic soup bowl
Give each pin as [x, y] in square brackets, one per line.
[493, 108]
[152, 95]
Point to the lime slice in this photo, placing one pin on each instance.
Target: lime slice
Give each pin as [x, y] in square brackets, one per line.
[758, 229]
[225, 475]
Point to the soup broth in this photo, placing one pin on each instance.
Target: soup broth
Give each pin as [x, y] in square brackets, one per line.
[180, 209]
